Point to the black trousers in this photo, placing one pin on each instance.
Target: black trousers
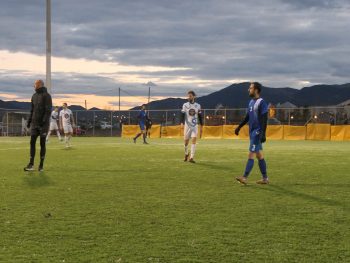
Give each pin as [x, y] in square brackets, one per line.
[35, 133]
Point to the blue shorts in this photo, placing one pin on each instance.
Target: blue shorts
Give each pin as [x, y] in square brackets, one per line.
[142, 125]
[255, 143]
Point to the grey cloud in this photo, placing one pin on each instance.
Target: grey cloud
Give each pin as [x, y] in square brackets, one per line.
[279, 42]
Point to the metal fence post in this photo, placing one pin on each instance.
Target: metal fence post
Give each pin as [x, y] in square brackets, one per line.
[166, 118]
[76, 123]
[204, 117]
[93, 124]
[7, 124]
[289, 117]
[111, 123]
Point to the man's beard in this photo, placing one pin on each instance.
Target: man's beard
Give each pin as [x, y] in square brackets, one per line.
[191, 100]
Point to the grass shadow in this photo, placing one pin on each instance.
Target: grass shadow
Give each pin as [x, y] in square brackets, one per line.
[214, 166]
[323, 201]
[35, 180]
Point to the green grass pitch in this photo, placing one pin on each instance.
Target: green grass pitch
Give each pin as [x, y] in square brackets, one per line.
[108, 200]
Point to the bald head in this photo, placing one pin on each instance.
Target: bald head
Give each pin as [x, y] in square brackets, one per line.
[38, 84]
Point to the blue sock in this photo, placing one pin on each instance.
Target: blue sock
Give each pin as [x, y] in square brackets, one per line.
[262, 166]
[249, 167]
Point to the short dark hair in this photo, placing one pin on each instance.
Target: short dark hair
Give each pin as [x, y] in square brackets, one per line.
[65, 103]
[257, 86]
[192, 92]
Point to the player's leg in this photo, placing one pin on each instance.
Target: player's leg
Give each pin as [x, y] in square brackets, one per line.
[193, 149]
[58, 135]
[48, 136]
[187, 136]
[263, 168]
[33, 137]
[253, 149]
[140, 133]
[42, 152]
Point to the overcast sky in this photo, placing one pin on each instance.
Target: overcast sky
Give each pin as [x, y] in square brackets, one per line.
[178, 45]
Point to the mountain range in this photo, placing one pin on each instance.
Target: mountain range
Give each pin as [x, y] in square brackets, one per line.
[236, 96]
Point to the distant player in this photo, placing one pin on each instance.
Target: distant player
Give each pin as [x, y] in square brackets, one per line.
[54, 125]
[67, 124]
[142, 117]
[148, 125]
[257, 117]
[191, 116]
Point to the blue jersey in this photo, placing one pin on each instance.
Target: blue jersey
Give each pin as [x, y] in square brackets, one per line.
[142, 116]
[256, 108]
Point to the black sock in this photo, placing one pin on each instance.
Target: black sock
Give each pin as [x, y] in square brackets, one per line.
[32, 148]
[144, 137]
[138, 135]
[42, 162]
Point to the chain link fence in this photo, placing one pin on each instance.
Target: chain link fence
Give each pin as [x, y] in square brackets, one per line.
[109, 123]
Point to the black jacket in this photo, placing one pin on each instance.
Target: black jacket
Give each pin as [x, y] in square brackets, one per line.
[40, 110]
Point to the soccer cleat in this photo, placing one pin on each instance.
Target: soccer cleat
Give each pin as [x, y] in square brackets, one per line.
[242, 180]
[29, 168]
[263, 181]
[191, 160]
[41, 169]
[186, 157]
[145, 143]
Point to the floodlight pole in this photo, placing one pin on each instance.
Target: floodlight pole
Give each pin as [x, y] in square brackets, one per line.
[48, 45]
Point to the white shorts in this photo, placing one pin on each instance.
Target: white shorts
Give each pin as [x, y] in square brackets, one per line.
[53, 126]
[190, 132]
[67, 129]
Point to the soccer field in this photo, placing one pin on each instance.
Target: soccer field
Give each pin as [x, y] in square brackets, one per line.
[108, 200]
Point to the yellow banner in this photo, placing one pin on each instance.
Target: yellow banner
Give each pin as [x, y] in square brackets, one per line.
[318, 132]
[130, 131]
[171, 131]
[212, 132]
[294, 132]
[274, 132]
[228, 131]
[347, 133]
[338, 132]
[155, 131]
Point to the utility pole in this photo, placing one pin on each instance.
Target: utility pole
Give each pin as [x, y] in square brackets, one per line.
[86, 105]
[149, 94]
[119, 98]
[48, 45]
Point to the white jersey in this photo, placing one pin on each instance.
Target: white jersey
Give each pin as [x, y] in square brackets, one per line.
[54, 117]
[66, 115]
[191, 110]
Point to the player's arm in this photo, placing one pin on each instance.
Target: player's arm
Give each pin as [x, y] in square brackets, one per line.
[182, 116]
[30, 114]
[244, 122]
[47, 110]
[263, 116]
[72, 119]
[200, 120]
[60, 122]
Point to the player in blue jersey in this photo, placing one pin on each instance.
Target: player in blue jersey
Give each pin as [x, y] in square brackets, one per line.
[142, 117]
[257, 118]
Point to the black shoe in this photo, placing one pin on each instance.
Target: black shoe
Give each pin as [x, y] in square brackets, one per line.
[186, 157]
[145, 143]
[192, 161]
[41, 168]
[29, 168]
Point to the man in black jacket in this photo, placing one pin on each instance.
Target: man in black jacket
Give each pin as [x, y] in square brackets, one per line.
[38, 122]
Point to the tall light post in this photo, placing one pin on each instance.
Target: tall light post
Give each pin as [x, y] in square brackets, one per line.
[48, 45]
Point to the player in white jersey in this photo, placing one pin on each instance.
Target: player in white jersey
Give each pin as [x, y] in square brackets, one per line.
[54, 125]
[191, 118]
[66, 123]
